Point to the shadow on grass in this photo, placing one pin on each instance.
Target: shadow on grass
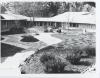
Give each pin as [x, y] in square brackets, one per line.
[85, 63]
[2, 38]
[65, 72]
[9, 50]
[71, 72]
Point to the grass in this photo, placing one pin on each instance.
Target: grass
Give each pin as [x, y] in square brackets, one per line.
[71, 44]
[9, 50]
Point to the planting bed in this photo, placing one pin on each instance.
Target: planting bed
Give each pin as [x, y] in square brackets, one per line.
[82, 46]
[29, 39]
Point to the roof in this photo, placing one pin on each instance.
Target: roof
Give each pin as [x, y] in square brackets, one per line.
[13, 17]
[76, 17]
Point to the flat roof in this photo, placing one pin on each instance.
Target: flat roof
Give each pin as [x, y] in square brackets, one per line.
[13, 17]
[74, 17]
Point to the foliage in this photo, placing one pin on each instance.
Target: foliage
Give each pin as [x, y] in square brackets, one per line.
[90, 51]
[46, 57]
[77, 53]
[75, 56]
[16, 30]
[52, 64]
[45, 9]
[59, 30]
[46, 30]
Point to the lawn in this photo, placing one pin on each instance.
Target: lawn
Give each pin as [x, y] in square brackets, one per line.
[78, 45]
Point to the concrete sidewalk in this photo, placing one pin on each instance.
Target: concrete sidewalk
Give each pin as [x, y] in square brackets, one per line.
[10, 66]
[48, 39]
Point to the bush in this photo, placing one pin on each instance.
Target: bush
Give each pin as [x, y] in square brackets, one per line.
[16, 30]
[36, 33]
[77, 53]
[51, 30]
[90, 51]
[75, 56]
[23, 72]
[46, 57]
[59, 30]
[52, 64]
[29, 39]
[46, 30]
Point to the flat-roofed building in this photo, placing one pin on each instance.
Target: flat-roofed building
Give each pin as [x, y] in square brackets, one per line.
[11, 20]
[81, 20]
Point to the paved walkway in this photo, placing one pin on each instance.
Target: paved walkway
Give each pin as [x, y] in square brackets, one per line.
[10, 66]
[48, 39]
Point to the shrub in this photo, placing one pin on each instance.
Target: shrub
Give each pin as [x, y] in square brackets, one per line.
[36, 33]
[51, 30]
[16, 30]
[90, 51]
[23, 72]
[29, 39]
[52, 64]
[75, 56]
[46, 30]
[59, 30]
[46, 57]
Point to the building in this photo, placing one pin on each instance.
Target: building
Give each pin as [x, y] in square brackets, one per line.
[81, 20]
[9, 21]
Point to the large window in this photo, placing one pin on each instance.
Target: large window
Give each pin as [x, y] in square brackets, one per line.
[74, 25]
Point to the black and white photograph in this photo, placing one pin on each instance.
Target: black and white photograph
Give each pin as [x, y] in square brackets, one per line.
[48, 37]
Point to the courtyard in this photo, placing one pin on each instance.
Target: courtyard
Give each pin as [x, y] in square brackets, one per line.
[60, 45]
[68, 45]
